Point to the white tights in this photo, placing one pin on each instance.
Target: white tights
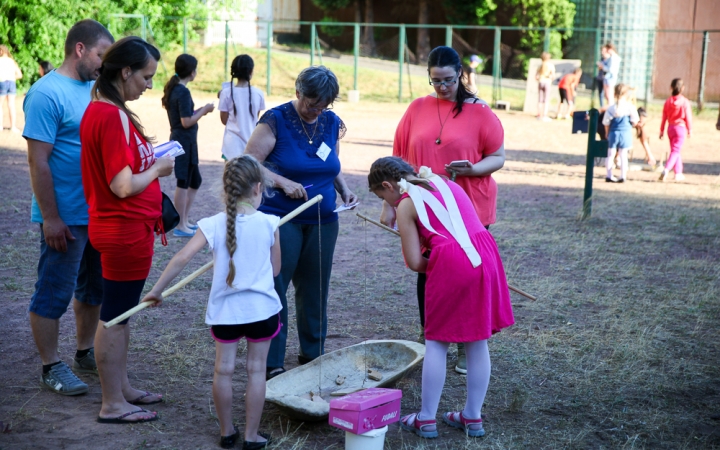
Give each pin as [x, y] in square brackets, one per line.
[433, 377]
[610, 160]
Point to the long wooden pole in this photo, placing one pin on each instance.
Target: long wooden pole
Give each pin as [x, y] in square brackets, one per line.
[182, 283]
[386, 228]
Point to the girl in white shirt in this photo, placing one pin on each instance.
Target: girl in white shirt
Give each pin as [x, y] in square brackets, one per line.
[243, 301]
[240, 107]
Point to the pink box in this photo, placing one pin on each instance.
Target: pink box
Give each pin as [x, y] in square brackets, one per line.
[365, 410]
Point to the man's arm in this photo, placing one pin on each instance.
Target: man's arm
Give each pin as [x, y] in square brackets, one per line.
[55, 230]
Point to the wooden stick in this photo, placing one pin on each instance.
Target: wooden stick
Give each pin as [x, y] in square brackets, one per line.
[184, 282]
[524, 294]
[386, 228]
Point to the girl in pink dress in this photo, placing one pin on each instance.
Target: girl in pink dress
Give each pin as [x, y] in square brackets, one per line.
[467, 298]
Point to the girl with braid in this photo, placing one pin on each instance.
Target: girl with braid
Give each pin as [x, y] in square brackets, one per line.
[240, 107]
[466, 293]
[243, 302]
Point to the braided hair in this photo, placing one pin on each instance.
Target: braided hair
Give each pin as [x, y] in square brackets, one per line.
[447, 57]
[242, 69]
[184, 66]
[392, 168]
[240, 176]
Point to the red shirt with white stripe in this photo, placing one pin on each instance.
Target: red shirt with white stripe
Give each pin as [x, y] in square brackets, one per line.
[105, 153]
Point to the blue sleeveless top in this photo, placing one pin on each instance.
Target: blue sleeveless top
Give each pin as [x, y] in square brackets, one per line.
[294, 158]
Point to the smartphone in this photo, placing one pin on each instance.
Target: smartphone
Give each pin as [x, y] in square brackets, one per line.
[460, 163]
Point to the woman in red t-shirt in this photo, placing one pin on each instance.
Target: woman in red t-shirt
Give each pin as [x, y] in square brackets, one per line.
[120, 179]
[451, 125]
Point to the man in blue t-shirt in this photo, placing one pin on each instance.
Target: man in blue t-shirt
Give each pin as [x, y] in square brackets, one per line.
[69, 267]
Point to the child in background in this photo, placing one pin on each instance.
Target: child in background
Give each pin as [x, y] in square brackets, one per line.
[644, 137]
[619, 120]
[545, 75]
[678, 115]
[566, 88]
[240, 107]
[243, 301]
[466, 293]
[45, 67]
[183, 119]
[470, 72]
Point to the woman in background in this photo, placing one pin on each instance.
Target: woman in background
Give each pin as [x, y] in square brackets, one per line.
[9, 74]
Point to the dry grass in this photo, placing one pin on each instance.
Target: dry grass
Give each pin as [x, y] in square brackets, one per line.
[620, 350]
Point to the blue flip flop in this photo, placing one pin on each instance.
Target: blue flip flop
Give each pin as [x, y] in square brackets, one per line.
[193, 227]
[180, 233]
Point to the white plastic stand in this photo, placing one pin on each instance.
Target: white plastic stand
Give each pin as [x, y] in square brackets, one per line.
[353, 96]
[372, 440]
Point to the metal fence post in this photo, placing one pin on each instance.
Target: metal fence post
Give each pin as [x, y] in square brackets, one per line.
[401, 59]
[312, 43]
[496, 67]
[649, 69]
[448, 36]
[227, 32]
[546, 43]
[356, 54]
[269, 46]
[703, 66]
[597, 58]
[184, 34]
[144, 28]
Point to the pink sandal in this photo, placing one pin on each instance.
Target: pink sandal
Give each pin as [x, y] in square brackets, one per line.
[418, 426]
[464, 423]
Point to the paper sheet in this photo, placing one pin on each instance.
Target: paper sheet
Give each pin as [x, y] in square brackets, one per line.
[169, 149]
[342, 208]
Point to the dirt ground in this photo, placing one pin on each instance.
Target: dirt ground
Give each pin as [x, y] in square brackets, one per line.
[619, 351]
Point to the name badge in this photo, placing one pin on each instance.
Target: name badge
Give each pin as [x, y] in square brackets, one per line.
[323, 151]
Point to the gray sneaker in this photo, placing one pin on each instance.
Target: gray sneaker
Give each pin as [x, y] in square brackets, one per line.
[461, 366]
[61, 380]
[86, 364]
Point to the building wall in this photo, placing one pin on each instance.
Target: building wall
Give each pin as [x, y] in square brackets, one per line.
[678, 55]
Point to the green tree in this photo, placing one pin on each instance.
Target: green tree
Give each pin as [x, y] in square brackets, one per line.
[35, 30]
[521, 13]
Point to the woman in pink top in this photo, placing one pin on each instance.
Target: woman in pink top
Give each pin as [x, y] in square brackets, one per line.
[451, 124]
[678, 115]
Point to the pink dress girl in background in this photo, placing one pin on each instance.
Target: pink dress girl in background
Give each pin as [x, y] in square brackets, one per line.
[678, 114]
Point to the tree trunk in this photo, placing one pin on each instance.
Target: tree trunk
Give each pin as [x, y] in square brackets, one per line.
[368, 39]
[423, 36]
[358, 10]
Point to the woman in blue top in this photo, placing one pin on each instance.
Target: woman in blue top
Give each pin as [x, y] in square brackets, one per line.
[299, 144]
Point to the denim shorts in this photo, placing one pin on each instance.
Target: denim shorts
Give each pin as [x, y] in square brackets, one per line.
[8, 87]
[620, 139]
[61, 275]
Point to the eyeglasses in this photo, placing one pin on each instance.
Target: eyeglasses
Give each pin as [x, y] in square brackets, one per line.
[314, 109]
[444, 82]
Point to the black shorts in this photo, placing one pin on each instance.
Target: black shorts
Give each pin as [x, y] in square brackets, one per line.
[190, 178]
[263, 330]
[565, 95]
[119, 297]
